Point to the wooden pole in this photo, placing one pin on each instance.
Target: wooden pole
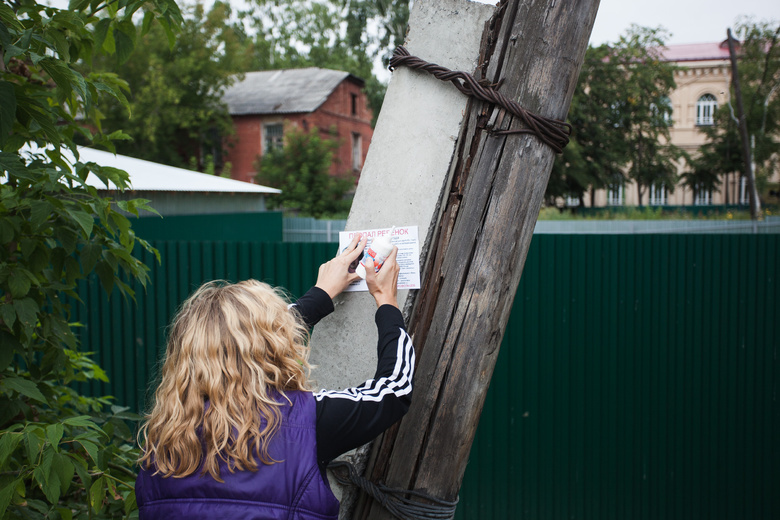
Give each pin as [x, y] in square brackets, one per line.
[536, 48]
[755, 204]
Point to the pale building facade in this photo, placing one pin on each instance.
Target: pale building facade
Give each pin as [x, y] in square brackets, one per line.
[703, 80]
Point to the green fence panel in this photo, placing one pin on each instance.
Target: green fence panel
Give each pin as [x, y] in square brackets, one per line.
[257, 227]
[637, 377]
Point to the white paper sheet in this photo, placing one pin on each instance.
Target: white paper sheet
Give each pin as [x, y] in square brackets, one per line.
[407, 241]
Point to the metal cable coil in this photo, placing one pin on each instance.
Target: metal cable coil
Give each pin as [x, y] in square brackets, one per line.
[552, 132]
[395, 500]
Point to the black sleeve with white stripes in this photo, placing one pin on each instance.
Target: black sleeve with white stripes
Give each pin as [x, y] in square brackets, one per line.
[350, 418]
[313, 306]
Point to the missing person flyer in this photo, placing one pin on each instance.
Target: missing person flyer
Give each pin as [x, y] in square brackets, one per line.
[407, 241]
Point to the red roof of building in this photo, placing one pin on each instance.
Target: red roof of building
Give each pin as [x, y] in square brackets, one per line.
[697, 51]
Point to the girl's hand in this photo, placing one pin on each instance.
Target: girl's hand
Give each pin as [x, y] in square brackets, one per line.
[334, 276]
[383, 285]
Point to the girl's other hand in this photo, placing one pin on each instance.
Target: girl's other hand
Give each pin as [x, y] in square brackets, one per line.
[334, 276]
[383, 285]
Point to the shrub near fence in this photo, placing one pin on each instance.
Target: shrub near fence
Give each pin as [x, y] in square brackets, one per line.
[637, 377]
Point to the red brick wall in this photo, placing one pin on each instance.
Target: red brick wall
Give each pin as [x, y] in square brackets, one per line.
[336, 113]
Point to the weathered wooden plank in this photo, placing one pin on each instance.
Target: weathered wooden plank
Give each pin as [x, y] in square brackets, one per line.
[536, 48]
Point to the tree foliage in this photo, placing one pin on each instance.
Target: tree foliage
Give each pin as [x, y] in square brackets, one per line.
[62, 455]
[301, 170]
[620, 113]
[330, 34]
[758, 64]
[175, 112]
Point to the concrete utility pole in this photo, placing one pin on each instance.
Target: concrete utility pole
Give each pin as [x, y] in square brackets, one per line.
[489, 211]
[755, 204]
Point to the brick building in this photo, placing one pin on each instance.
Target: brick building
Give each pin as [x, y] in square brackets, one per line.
[267, 102]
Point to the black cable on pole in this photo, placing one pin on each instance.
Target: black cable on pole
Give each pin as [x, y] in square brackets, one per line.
[552, 132]
[400, 503]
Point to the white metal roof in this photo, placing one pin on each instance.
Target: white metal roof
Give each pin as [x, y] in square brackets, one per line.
[151, 176]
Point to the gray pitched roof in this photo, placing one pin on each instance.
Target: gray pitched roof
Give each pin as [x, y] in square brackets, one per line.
[283, 91]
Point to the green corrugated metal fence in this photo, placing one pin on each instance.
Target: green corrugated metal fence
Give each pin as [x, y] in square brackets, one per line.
[637, 379]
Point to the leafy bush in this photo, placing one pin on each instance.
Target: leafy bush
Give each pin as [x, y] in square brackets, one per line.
[62, 455]
[301, 169]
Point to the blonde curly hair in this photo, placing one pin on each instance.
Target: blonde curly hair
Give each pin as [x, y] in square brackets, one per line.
[238, 347]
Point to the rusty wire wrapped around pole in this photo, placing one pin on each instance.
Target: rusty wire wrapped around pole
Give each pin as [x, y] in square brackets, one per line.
[552, 132]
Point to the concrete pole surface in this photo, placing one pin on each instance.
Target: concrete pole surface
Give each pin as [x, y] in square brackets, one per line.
[406, 168]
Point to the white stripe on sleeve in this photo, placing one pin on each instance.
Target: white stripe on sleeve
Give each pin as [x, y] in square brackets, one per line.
[398, 383]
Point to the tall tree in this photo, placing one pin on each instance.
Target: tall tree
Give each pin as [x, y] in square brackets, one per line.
[621, 116]
[176, 115]
[598, 151]
[62, 455]
[645, 109]
[759, 71]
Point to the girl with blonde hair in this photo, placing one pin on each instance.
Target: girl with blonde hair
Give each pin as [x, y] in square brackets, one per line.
[235, 430]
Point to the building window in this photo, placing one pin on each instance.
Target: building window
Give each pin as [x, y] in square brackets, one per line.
[701, 196]
[705, 110]
[572, 201]
[744, 194]
[357, 151]
[657, 194]
[615, 194]
[273, 137]
[354, 104]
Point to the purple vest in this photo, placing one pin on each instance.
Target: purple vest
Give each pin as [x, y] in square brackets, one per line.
[293, 489]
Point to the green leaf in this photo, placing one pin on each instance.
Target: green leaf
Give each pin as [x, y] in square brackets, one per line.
[97, 493]
[19, 285]
[83, 421]
[81, 466]
[124, 37]
[43, 118]
[26, 311]
[65, 470]
[84, 220]
[90, 254]
[49, 481]
[8, 315]
[54, 434]
[130, 502]
[147, 23]
[106, 275]
[75, 5]
[8, 443]
[8, 16]
[62, 75]
[65, 512]
[24, 387]
[101, 32]
[40, 211]
[91, 448]
[7, 109]
[7, 493]
[69, 19]
[33, 440]
[61, 44]
[12, 163]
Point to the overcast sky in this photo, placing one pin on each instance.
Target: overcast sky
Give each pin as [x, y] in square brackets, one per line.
[689, 21]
